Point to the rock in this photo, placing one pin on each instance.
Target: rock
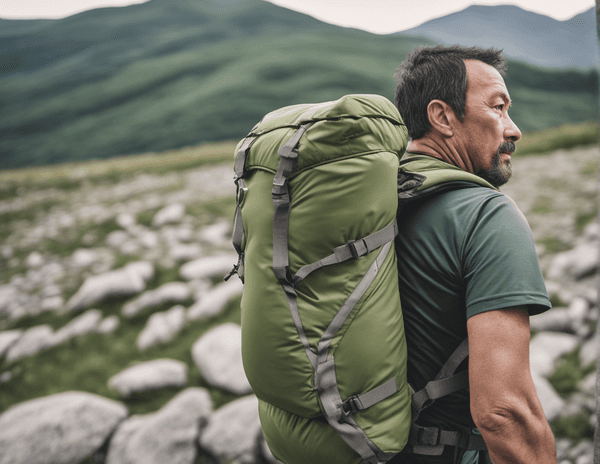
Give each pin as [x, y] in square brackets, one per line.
[148, 239]
[555, 319]
[575, 263]
[233, 431]
[552, 403]
[589, 351]
[108, 325]
[217, 234]
[184, 252]
[210, 266]
[32, 341]
[7, 339]
[213, 301]
[150, 375]
[546, 347]
[126, 220]
[169, 214]
[81, 325]
[60, 429]
[166, 436]
[218, 357]
[117, 238]
[84, 257]
[35, 259]
[52, 303]
[161, 327]
[125, 281]
[171, 292]
[587, 385]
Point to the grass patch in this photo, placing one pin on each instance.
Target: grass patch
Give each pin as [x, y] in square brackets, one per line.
[208, 212]
[565, 137]
[569, 373]
[543, 205]
[87, 363]
[584, 219]
[554, 245]
[576, 427]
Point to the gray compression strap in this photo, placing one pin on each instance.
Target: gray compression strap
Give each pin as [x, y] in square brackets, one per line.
[352, 250]
[288, 155]
[241, 189]
[326, 381]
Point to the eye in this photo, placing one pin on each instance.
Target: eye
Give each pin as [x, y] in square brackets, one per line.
[499, 107]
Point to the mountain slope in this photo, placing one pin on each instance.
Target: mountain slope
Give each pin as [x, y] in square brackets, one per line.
[172, 73]
[522, 34]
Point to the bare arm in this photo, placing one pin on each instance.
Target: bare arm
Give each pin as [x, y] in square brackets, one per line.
[504, 402]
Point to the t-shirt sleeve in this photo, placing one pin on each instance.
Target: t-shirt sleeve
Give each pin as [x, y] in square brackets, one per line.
[501, 264]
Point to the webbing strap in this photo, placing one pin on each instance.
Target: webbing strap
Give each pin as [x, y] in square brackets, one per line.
[288, 154]
[241, 189]
[431, 440]
[348, 429]
[326, 382]
[445, 382]
[352, 250]
[439, 388]
[346, 308]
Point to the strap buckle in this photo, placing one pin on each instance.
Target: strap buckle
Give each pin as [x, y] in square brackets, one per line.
[350, 406]
[428, 436]
[241, 193]
[354, 248]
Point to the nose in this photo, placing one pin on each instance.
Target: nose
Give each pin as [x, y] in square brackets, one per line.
[511, 131]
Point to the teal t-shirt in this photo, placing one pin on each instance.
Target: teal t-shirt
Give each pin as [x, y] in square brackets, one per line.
[460, 253]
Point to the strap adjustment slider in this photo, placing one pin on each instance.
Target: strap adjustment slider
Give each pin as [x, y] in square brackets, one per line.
[428, 436]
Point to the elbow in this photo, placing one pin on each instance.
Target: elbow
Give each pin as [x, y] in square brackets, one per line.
[500, 417]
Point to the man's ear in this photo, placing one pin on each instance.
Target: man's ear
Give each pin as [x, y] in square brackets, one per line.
[441, 117]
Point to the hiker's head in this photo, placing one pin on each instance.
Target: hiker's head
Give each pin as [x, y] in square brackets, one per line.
[458, 95]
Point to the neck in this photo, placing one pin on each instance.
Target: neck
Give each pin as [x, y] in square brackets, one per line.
[439, 148]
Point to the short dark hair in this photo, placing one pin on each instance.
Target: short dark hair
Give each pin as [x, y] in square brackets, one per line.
[437, 73]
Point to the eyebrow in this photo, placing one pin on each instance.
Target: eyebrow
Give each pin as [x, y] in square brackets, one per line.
[504, 97]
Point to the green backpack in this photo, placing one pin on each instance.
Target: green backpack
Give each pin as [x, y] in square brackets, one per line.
[323, 342]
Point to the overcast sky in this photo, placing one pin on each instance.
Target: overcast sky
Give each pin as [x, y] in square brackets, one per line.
[377, 16]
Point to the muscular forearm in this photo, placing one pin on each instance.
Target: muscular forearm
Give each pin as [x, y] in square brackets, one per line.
[516, 436]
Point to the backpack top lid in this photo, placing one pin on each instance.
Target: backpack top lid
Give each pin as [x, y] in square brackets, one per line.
[355, 125]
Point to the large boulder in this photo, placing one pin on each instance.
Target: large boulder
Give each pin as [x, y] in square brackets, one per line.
[125, 281]
[81, 325]
[161, 327]
[60, 429]
[166, 436]
[218, 357]
[212, 302]
[150, 375]
[171, 292]
[233, 432]
[8, 338]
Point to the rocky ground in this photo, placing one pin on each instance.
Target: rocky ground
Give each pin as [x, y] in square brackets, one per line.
[93, 256]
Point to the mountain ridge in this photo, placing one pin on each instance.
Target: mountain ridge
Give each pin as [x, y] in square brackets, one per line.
[167, 74]
[554, 43]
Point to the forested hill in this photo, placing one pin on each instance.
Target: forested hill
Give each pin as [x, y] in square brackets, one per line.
[171, 73]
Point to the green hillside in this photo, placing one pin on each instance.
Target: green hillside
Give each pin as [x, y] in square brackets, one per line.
[173, 73]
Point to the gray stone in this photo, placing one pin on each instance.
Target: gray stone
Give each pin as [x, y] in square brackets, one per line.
[161, 327]
[108, 325]
[150, 375]
[233, 431]
[126, 220]
[552, 403]
[84, 257]
[589, 351]
[81, 325]
[60, 429]
[117, 238]
[35, 259]
[587, 385]
[125, 281]
[217, 234]
[168, 215]
[32, 341]
[166, 436]
[575, 263]
[52, 303]
[184, 251]
[213, 301]
[7, 339]
[171, 292]
[209, 266]
[555, 319]
[546, 347]
[218, 357]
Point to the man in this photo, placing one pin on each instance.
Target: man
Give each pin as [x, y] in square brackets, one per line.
[467, 261]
